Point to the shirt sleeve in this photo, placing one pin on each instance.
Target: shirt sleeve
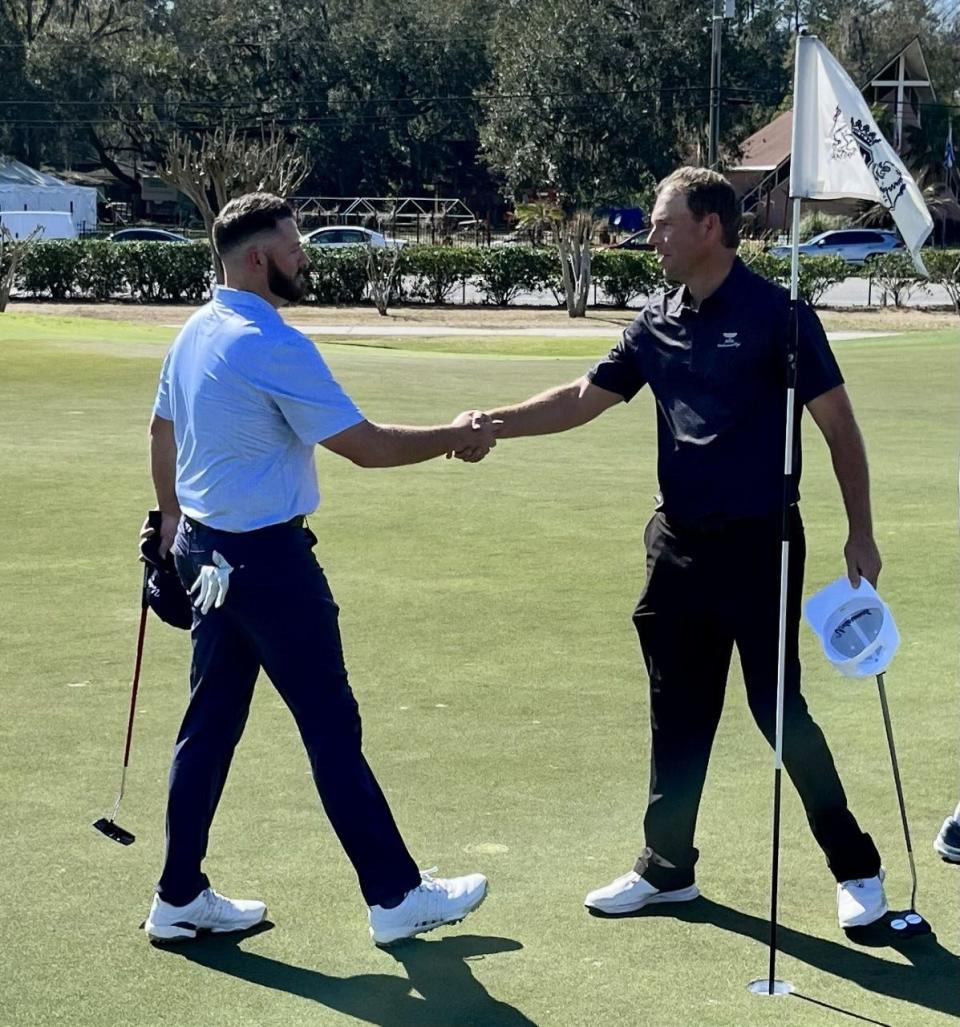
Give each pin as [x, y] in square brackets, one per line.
[161, 405]
[817, 368]
[296, 377]
[620, 371]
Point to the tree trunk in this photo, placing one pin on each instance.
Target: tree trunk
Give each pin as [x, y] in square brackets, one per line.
[573, 242]
[15, 250]
[382, 274]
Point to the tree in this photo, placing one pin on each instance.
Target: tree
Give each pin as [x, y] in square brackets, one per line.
[11, 253]
[213, 168]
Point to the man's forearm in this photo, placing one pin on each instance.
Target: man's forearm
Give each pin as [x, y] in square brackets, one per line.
[553, 411]
[163, 465]
[397, 445]
[849, 457]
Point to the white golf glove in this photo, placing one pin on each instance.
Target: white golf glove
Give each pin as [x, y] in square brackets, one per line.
[211, 584]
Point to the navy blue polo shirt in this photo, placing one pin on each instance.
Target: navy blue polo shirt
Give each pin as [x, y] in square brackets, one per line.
[718, 375]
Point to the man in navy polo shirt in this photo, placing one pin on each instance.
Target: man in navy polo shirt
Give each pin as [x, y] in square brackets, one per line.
[712, 351]
[242, 402]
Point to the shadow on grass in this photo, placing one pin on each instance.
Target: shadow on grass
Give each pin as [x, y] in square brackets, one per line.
[438, 971]
[931, 980]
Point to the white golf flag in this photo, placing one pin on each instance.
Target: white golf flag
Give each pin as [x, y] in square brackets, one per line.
[838, 150]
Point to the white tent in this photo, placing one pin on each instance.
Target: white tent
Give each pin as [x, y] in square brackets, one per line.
[22, 188]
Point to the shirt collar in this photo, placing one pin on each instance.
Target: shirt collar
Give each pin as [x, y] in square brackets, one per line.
[243, 302]
[680, 298]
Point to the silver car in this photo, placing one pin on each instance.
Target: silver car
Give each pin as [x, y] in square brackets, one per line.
[854, 245]
[347, 235]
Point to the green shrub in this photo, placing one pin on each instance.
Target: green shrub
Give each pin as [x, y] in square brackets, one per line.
[437, 270]
[157, 271]
[944, 268]
[896, 275]
[338, 275]
[625, 274]
[50, 269]
[504, 271]
[774, 269]
[815, 275]
[101, 272]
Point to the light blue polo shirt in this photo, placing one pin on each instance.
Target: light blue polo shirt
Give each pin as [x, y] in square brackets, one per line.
[249, 397]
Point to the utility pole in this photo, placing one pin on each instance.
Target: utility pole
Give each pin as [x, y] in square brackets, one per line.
[722, 9]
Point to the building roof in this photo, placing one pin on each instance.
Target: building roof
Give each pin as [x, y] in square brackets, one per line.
[13, 172]
[768, 147]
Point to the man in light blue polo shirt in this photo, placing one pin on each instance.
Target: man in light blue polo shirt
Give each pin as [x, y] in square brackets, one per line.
[242, 402]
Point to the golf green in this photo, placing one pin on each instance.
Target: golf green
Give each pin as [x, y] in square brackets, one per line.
[486, 620]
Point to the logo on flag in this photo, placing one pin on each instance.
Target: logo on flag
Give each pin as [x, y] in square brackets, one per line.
[858, 139]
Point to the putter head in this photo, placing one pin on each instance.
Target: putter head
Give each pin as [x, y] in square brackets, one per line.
[889, 929]
[114, 831]
[907, 924]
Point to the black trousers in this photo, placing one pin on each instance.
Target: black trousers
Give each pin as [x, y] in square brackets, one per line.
[279, 615]
[706, 591]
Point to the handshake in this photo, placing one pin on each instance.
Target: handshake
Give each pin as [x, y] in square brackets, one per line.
[479, 432]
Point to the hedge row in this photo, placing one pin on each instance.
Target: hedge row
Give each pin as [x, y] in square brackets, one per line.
[151, 272]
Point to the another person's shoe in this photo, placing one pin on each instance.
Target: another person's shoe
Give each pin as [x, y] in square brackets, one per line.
[947, 842]
[631, 892]
[435, 902]
[861, 901]
[209, 911]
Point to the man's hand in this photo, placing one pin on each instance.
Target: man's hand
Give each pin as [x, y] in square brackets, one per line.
[863, 560]
[480, 435]
[211, 584]
[168, 532]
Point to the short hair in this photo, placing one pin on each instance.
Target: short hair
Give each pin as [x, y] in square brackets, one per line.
[243, 217]
[707, 192]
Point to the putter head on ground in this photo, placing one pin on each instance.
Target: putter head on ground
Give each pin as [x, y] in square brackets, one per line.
[890, 928]
[114, 831]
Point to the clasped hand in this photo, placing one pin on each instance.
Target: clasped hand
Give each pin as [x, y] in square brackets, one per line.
[481, 437]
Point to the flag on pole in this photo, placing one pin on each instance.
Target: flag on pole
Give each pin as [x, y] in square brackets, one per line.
[838, 151]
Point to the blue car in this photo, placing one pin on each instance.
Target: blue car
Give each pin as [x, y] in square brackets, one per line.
[854, 245]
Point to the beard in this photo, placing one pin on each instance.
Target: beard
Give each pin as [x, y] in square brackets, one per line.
[291, 288]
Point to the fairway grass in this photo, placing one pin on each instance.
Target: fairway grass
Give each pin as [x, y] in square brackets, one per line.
[486, 619]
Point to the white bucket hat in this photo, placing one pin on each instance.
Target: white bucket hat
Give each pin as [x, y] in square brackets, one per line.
[855, 627]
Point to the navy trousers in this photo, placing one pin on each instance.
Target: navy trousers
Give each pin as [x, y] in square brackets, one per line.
[279, 615]
[706, 591]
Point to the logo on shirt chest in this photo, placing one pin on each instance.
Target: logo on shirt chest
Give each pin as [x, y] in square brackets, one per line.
[730, 341]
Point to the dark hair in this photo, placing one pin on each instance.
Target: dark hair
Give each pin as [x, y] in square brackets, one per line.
[707, 192]
[245, 216]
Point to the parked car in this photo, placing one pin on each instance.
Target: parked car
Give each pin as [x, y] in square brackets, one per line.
[637, 241]
[338, 235]
[146, 235]
[854, 245]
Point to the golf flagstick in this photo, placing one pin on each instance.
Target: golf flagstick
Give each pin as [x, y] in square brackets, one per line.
[107, 825]
[772, 986]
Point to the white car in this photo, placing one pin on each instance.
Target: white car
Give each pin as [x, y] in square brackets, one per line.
[346, 235]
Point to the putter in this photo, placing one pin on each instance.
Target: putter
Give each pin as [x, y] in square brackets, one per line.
[108, 825]
[907, 922]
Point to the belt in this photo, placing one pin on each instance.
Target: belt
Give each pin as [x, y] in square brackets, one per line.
[295, 522]
[714, 524]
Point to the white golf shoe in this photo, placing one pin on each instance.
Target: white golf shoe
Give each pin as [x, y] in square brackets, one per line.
[861, 901]
[947, 842]
[631, 892]
[209, 911]
[435, 902]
